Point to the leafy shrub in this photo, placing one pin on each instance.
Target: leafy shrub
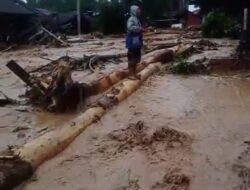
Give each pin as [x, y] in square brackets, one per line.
[182, 66]
[234, 32]
[216, 25]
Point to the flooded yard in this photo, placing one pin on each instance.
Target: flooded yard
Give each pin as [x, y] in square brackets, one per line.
[176, 132]
[211, 112]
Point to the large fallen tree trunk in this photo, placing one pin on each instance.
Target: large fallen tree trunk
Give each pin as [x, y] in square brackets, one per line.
[126, 87]
[165, 55]
[22, 162]
[45, 147]
[62, 94]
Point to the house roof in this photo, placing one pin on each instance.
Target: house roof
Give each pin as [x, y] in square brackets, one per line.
[194, 9]
[45, 12]
[13, 7]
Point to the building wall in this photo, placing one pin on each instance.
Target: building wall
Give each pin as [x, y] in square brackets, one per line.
[194, 20]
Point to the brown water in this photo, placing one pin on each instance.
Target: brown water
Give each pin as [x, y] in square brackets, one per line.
[213, 111]
[33, 122]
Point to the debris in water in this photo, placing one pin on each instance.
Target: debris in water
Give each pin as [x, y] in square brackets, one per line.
[136, 135]
[21, 135]
[22, 109]
[5, 100]
[20, 129]
[42, 130]
[173, 180]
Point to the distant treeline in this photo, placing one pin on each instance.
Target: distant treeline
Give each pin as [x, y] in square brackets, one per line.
[232, 7]
[152, 9]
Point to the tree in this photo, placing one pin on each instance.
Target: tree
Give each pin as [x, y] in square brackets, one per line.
[230, 6]
[112, 19]
[63, 5]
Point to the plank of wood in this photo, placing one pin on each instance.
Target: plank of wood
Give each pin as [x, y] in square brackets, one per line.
[54, 36]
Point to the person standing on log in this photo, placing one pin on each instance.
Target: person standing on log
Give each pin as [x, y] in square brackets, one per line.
[134, 41]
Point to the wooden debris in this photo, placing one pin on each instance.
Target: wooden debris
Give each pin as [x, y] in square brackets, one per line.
[54, 36]
[25, 77]
[161, 46]
[18, 129]
[203, 45]
[6, 49]
[192, 35]
[36, 152]
[5, 100]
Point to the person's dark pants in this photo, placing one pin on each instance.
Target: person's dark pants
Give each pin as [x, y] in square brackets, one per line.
[134, 57]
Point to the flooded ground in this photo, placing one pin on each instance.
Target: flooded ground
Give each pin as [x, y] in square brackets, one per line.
[24, 123]
[20, 124]
[211, 116]
[175, 132]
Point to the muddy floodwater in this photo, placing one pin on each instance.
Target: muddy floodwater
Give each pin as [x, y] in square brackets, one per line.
[209, 116]
[175, 132]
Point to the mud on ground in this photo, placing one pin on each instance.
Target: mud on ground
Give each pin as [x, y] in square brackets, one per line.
[208, 114]
[22, 123]
[136, 136]
[175, 132]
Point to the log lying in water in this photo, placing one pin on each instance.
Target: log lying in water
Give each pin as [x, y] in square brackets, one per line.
[22, 162]
[62, 94]
[106, 82]
[36, 152]
[75, 93]
[50, 144]
[126, 87]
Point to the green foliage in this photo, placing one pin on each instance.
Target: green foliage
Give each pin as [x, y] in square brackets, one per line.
[111, 19]
[234, 32]
[216, 25]
[231, 7]
[182, 66]
[62, 5]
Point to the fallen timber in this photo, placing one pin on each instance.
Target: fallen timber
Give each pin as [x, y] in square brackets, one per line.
[59, 93]
[20, 163]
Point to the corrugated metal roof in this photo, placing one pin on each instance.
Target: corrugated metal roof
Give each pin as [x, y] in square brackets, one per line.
[13, 7]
